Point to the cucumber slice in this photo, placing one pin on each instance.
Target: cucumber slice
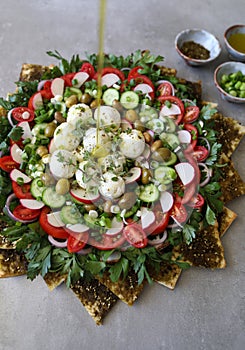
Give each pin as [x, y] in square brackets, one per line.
[169, 124]
[156, 125]
[53, 199]
[129, 99]
[70, 214]
[37, 188]
[149, 193]
[171, 140]
[109, 96]
[165, 174]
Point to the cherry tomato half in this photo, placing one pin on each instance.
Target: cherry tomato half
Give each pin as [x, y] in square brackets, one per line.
[191, 114]
[23, 213]
[17, 114]
[165, 89]
[107, 242]
[200, 153]
[178, 212]
[135, 235]
[7, 164]
[194, 135]
[22, 191]
[88, 68]
[160, 223]
[78, 242]
[175, 100]
[196, 201]
[56, 232]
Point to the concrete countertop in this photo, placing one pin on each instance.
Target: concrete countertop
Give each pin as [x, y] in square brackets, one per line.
[206, 310]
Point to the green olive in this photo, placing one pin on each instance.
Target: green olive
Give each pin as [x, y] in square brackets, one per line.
[127, 200]
[116, 104]
[107, 206]
[71, 100]
[86, 98]
[146, 176]
[139, 125]
[42, 151]
[131, 116]
[62, 186]
[59, 117]
[161, 154]
[156, 144]
[47, 179]
[49, 130]
[94, 103]
[89, 207]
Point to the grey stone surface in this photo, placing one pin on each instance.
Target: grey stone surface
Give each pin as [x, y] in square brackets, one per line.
[206, 310]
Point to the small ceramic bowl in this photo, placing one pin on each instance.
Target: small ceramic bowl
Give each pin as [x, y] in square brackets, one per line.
[234, 52]
[228, 68]
[201, 37]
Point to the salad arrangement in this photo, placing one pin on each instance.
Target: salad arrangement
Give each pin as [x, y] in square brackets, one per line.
[94, 183]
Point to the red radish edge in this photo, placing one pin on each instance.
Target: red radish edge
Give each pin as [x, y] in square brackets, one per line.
[15, 174]
[80, 195]
[32, 204]
[136, 172]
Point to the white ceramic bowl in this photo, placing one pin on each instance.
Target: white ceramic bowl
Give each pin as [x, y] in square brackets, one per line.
[227, 68]
[202, 37]
[234, 54]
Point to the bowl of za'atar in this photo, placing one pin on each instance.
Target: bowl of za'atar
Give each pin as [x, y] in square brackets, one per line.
[118, 180]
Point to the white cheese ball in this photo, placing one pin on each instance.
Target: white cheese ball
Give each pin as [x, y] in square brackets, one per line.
[89, 140]
[62, 164]
[79, 115]
[112, 186]
[108, 117]
[114, 162]
[86, 175]
[65, 137]
[132, 144]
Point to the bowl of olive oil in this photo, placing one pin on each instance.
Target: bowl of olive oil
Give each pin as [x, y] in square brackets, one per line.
[234, 38]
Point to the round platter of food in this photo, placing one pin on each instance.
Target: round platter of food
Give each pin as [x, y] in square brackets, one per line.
[113, 178]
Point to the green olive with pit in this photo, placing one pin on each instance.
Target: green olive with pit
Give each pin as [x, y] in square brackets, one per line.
[58, 116]
[89, 207]
[139, 125]
[127, 200]
[131, 115]
[86, 98]
[161, 154]
[94, 103]
[42, 151]
[146, 175]
[116, 104]
[50, 129]
[63, 186]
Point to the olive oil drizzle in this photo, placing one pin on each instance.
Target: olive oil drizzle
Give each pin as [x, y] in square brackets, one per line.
[100, 63]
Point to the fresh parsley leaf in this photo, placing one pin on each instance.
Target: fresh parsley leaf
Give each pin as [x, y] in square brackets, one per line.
[210, 216]
[15, 133]
[189, 233]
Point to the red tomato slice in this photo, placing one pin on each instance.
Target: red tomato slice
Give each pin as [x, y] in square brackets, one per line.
[135, 235]
[178, 102]
[188, 191]
[7, 164]
[191, 114]
[178, 212]
[194, 135]
[74, 244]
[165, 89]
[47, 85]
[134, 72]
[193, 162]
[160, 224]
[88, 68]
[68, 79]
[23, 213]
[107, 242]
[22, 191]
[200, 153]
[196, 201]
[17, 114]
[56, 232]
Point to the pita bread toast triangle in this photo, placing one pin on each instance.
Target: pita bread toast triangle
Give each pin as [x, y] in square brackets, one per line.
[99, 295]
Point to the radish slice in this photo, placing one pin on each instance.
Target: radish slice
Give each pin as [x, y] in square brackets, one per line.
[52, 147]
[57, 86]
[77, 228]
[184, 136]
[32, 204]
[56, 243]
[144, 88]
[37, 101]
[54, 219]
[158, 239]
[186, 172]
[15, 174]
[147, 217]
[83, 196]
[10, 118]
[173, 110]
[16, 153]
[41, 84]
[27, 134]
[109, 79]
[116, 227]
[142, 162]
[167, 201]
[80, 79]
[133, 175]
